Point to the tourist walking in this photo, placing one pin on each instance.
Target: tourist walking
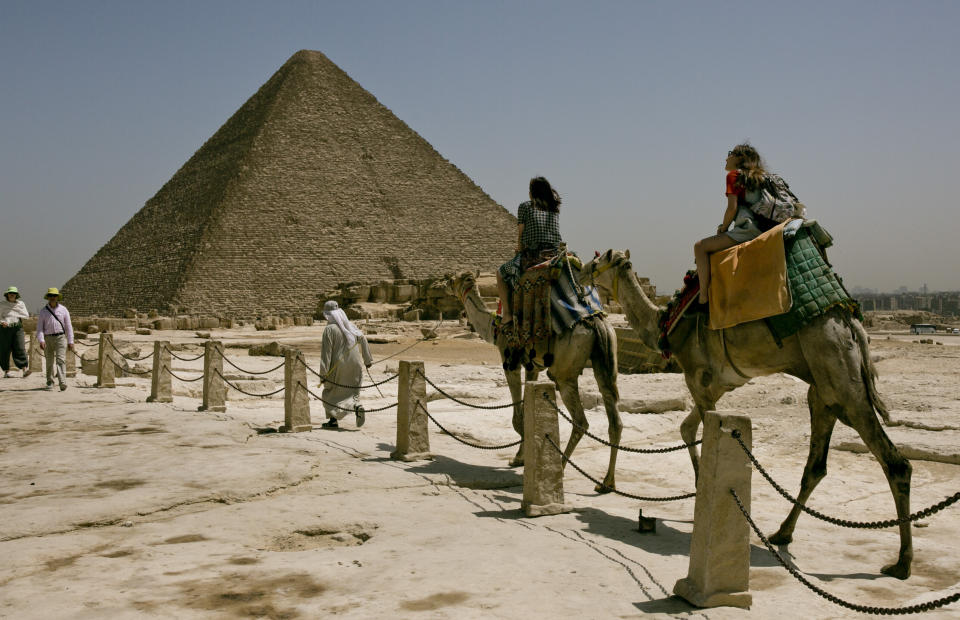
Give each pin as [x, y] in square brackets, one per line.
[12, 310]
[344, 355]
[55, 335]
[538, 239]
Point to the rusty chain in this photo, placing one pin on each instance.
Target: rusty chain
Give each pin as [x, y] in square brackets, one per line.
[178, 377]
[132, 359]
[242, 391]
[335, 406]
[183, 359]
[460, 402]
[617, 446]
[867, 609]
[615, 491]
[464, 441]
[868, 525]
[350, 387]
[252, 372]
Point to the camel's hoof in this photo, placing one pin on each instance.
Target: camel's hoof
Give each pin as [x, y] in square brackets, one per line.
[781, 539]
[604, 488]
[900, 570]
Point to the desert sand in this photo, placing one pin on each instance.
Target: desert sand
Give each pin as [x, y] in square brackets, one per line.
[111, 507]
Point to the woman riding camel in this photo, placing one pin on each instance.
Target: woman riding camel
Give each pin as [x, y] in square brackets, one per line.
[538, 239]
[745, 173]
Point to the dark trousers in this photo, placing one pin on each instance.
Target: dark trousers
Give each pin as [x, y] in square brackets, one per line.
[11, 340]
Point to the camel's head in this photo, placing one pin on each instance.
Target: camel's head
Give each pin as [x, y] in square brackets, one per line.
[603, 270]
[459, 284]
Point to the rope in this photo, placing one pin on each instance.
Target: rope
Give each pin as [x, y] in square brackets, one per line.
[435, 328]
[183, 359]
[242, 391]
[456, 400]
[335, 406]
[868, 525]
[464, 441]
[617, 446]
[615, 491]
[178, 377]
[251, 372]
[126, 357]
[352, 387]
[887, 611]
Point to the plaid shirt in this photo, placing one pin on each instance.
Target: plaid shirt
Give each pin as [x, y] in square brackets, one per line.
[541, 229]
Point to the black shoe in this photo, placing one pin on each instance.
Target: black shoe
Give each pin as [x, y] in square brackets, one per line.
[331, 423]
[63, 386]
[361, 415]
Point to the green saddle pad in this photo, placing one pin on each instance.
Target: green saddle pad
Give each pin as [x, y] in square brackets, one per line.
[814, 287]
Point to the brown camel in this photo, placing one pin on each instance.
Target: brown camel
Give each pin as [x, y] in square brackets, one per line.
[593, 339]
[830, 354]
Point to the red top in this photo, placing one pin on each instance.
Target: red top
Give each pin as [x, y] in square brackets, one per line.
[736, 187]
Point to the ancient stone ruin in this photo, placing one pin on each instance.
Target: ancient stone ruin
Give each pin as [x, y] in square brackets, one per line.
[312, 182]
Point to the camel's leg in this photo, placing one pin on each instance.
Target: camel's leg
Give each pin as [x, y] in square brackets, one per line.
[516, 395]
[834, 361]
[688, 432]
[570, 394]
[822, 421]
[605, 372]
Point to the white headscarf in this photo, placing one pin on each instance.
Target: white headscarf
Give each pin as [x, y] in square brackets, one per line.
[333, 314]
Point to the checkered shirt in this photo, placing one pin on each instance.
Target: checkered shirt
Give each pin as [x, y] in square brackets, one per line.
[541, 229]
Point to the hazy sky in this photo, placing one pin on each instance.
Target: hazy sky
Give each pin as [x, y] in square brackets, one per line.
[629, 108]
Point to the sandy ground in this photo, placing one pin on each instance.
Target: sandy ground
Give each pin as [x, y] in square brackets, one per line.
[111, 507]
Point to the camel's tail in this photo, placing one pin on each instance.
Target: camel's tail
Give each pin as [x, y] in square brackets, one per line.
[868, 371]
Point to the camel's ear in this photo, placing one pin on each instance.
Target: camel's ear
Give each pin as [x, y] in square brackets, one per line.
[627, 254]
[608, 254]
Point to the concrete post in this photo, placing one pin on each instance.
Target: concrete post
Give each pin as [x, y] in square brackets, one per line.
[413, 440]
[296, 401]
[35, 355]
[214, 389]
[542, 463]
[161, 383]
[106, 372]
[719, 573]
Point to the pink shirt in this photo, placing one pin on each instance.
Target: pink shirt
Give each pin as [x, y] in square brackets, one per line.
[46, 324]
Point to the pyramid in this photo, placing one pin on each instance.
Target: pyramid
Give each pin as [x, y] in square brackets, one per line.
[312, 182]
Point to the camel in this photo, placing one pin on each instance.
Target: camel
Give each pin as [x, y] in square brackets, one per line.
[830, 354]
[593, 339]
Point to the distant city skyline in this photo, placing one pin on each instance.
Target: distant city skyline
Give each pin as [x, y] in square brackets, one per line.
[629, 108]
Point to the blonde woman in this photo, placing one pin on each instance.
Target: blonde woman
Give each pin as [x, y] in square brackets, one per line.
[745, 173]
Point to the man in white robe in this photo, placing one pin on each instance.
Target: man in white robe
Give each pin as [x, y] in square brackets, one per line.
[344, 355]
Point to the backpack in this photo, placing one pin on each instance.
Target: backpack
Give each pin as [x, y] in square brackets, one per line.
[776, 202]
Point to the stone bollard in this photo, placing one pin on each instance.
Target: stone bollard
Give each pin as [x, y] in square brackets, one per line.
[214, 389]
[161, 382]
[71, 361]
[719, 573]
[35, 355]
[413, 440]
[106, 372]
[296, 400]
[542, 463]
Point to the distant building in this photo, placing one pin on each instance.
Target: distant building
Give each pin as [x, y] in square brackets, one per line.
[922, 328]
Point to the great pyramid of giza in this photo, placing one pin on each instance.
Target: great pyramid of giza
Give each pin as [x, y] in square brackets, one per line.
[312, 182]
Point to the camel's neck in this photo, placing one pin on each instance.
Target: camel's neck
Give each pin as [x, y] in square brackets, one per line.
[640, 311]
[480, 317]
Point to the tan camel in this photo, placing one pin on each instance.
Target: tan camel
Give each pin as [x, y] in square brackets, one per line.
[593, 339]
[830, 354]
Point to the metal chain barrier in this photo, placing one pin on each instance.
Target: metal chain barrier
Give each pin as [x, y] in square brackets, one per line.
[615, 491]
[884, 611]
[242, 391]
[335, 406]
[435, 328]
[460, 402]
[252, 372]
[183, 359]
[868, 525]
[619, 447]
[126, 357]
[464, 441]
[178, 377]
[129, 370]
[351, 387]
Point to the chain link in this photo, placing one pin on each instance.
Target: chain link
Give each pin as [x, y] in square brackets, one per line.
[129, 370]
[615, 491]
[866, 525]
[458, 401]
[351, 387]
[435, 328]
[884, 611]
[242, 391]
[183, 359]
[252, 372]
[178, 377]
[464, 441]
[132, 359]
[335, 406]
[617, 446]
